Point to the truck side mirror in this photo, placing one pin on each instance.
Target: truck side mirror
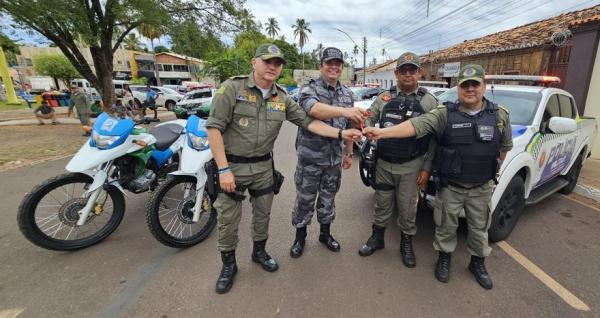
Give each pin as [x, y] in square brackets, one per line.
[562, 125]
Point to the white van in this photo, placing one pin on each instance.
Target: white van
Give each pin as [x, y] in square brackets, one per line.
[85, 86]
[118, 85]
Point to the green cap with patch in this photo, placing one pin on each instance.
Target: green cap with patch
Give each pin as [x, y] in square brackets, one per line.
[269, 51]
[471, 72]
[408, 58]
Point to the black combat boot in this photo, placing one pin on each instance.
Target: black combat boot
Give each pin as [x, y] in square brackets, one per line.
[406, 250]
[260, 256]
[442, 269]
[225, 280]
[298, 246]
[375, 242]
[477, 267]
[328, 240]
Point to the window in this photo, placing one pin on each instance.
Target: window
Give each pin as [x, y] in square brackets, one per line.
[167, 67]
[552, 110]
[566, 107]
[180, 68]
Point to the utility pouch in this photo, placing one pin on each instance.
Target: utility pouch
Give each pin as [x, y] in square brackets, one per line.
[277, 181]
[449, 161]
[212, 182]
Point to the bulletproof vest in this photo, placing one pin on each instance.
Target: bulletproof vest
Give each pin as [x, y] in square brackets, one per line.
[398, 110]
[470, 146]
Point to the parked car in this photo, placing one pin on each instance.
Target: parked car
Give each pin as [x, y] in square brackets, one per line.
[178, 88]
[118, 85]
[85, 86]
[166, 96]
[196, 102]
[436, 91]
[551, 141]
[363, 93]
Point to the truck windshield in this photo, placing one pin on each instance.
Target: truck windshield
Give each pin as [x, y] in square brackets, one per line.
[521, 105]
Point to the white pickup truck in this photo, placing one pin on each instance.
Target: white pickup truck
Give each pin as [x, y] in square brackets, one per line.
[550, 143]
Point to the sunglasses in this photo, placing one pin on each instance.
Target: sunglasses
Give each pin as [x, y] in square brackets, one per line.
[468, 84]
[275, 62]
[407, 70]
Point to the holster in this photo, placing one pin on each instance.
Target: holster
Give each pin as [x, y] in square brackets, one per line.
[277, 181]
[212, 183]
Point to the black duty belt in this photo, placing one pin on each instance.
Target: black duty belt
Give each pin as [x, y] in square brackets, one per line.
[239, 159]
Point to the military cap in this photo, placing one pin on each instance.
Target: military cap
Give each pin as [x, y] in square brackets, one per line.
[332, 53]
[408, 58]
[269, 51]
[471, 72]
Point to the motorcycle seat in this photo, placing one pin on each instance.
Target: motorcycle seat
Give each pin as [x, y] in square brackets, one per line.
[166, 134]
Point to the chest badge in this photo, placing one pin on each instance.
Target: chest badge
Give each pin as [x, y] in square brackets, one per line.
[244, 122]
[386, 98]
[252, 98]
[409, 113]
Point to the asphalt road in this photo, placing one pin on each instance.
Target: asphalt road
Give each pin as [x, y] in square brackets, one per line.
[132, 275]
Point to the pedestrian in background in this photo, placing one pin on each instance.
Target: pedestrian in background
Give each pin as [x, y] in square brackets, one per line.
[80, 102]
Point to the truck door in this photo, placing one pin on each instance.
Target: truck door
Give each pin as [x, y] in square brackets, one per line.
[554, 150]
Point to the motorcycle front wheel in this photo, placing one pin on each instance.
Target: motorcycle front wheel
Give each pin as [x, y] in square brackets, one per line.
[169, 213]
[48, 214]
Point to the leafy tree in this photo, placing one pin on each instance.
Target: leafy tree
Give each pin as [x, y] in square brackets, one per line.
[132, 42]
[11, 49]
[290, 52]
[161, 49]
[188, 38]
[103, 24]
[287, 78]
[301, 30]
[272, 27]
[227, 64]
[55, 65]
[138, 81]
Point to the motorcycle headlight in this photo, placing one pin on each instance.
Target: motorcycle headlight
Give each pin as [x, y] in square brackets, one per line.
[103, 142]
[198, 143]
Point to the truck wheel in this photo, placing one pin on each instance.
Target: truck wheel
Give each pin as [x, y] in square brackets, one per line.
[572, 176]
[508, 210]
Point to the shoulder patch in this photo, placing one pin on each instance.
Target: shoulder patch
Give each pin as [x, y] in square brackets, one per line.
[441, 106]
[386, 97]
[504, 109]
[221, 90]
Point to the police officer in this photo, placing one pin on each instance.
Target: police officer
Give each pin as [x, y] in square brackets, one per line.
[474, 136]
[403, 164]
[244, 122]
[318, 172]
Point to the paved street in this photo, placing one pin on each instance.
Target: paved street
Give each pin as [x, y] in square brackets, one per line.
[547, 268]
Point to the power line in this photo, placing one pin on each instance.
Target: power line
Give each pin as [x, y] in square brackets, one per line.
[410, 13]
[514, 16]
[396, 39]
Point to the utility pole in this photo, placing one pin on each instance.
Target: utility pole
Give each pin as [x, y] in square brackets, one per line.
[364, 60]
[8, 84]
[428, 8]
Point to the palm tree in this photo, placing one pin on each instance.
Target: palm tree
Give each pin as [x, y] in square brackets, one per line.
[383, 53]
[272, 28]
[132, 42]
[355, 51]
[151, 31]
[301, 30]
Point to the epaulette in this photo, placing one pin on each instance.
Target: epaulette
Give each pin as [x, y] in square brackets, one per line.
[238, 77]
[281, 88]
[504, 109]
[441, 106]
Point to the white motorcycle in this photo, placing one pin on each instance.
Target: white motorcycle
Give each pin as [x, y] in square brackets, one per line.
[81, 208]
[180, 213]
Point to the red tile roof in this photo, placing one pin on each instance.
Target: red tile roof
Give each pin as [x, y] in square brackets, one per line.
[530, 35]
[594, 18]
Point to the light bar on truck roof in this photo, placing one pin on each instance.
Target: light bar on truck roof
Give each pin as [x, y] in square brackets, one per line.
[524, 78]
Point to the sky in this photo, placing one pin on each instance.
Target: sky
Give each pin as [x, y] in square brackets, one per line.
[402, 25]
[394, 25]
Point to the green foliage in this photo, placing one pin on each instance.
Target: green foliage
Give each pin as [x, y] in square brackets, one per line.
[227, 64]
[272, 27]
[188, 38]
[161, 49]
[138, 81]
[132, 42]
[287, 78]
[56, 66]
[301, 30]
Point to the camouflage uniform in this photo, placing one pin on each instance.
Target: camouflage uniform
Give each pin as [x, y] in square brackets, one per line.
[318, 172]
[80, 101]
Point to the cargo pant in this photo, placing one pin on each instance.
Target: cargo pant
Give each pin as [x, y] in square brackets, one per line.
[450, 202]
[403, 196]
[315, 184]
[229, 211]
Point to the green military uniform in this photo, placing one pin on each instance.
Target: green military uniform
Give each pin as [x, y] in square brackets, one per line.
[402, 176]
[249, 124]
[80, 101]
[451, 199]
